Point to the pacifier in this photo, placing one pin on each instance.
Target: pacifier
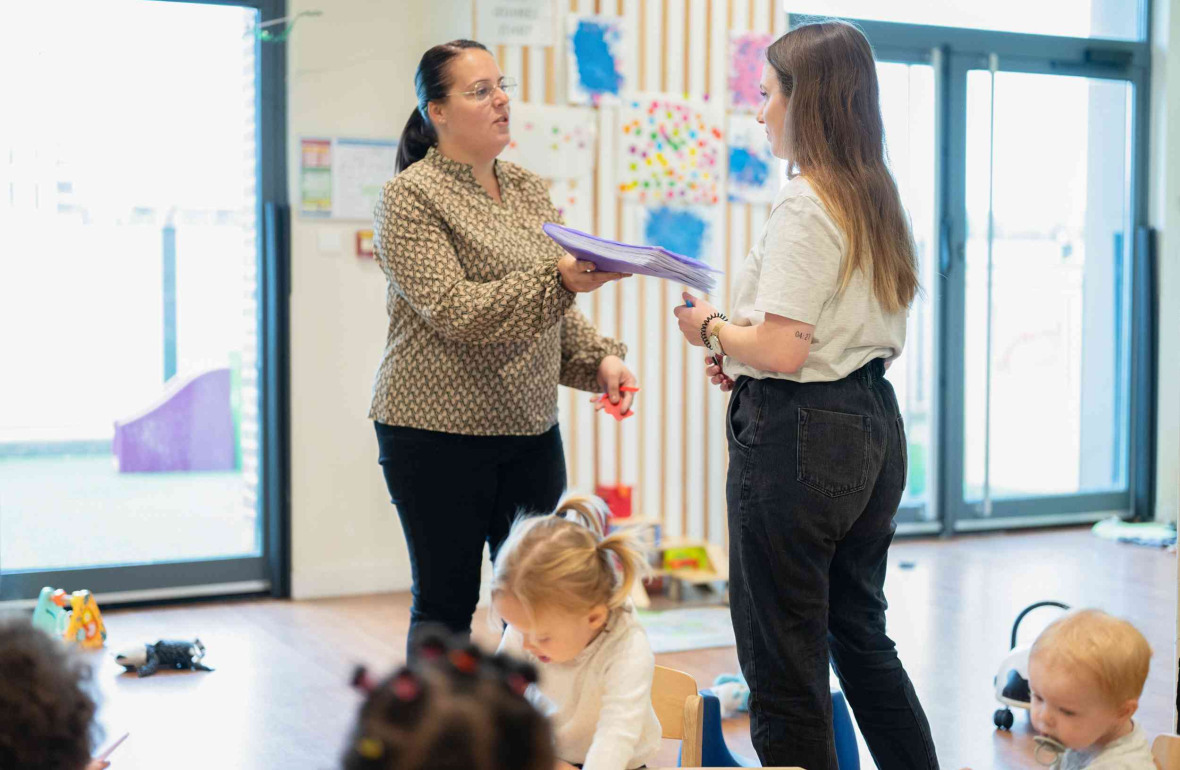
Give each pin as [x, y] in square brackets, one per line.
[1049, 746]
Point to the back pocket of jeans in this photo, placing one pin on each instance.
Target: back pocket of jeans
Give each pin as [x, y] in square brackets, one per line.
[833, 451]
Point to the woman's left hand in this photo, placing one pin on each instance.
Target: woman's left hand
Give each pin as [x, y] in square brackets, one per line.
[613, 374]
[691, 318]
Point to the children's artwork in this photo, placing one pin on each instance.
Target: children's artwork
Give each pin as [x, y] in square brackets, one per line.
[755, 175]
[670, 152]
[747, 54]
[574, 199]
[595, 59]
[686, 230]
[555, 142]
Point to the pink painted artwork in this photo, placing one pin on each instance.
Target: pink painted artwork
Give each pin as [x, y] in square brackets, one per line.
[747, 54]
[670, 151]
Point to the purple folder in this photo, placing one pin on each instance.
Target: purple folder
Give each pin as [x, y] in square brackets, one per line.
[615, 257]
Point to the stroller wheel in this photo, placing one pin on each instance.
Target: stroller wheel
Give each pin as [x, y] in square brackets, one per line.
[1003, 718]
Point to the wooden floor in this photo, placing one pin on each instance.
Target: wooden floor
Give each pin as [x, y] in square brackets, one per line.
[279, 697]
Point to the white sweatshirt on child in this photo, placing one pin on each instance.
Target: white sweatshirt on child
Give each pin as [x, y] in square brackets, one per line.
[599, 703]
[1131, 752]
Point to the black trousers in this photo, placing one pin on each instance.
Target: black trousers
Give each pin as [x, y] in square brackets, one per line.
[816, 473]
[454, 493]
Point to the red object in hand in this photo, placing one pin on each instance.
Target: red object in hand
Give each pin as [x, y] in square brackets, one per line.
[613, 409]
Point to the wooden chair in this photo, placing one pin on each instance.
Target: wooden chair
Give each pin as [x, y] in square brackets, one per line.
[681, 711]
[1166, 750]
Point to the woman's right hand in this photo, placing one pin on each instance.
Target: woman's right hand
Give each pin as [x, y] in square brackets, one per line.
[580, 276]
[716, 376]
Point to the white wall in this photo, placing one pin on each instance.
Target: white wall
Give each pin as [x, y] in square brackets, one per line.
[350, 73]
[1164, 205]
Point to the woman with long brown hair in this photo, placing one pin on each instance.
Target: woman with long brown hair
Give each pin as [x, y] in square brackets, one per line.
[816, 441]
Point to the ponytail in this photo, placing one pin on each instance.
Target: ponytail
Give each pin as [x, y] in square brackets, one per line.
[591, 512]
[417, 137]
[628, 560]
[431, 83]
[563, 560]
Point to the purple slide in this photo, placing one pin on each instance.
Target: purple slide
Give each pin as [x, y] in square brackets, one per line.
[191, 428]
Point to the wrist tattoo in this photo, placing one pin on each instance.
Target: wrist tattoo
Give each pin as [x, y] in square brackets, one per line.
[805, 336]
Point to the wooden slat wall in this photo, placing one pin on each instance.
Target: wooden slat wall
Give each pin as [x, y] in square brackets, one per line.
[673, 451]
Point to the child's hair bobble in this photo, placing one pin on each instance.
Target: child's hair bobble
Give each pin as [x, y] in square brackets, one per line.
[362, 680]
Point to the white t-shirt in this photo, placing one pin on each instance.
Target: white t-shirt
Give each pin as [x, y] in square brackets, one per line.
[1131, 752]
[794, 271]
[599, 703]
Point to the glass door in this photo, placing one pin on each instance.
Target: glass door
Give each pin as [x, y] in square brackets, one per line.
[908, 99]
[1046, 282]
[1019, 158]
[134, 445]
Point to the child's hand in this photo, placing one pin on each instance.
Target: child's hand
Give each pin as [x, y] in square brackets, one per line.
[562, 765]
[98, 764]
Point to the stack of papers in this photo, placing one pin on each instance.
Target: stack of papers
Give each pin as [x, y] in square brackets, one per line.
[615, 257]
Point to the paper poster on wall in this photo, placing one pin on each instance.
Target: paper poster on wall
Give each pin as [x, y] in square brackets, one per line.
[595, 59]
[360, 168]
[515, 22]
[670, 151]
[315, 177]
[755, 175]
[747, 54]
[686, 230]
[342, 178]
[555, 142]
[574, 199]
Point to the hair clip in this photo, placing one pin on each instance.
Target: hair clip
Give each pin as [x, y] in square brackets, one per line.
[405, 686]
[432, 649]
[517, 683]
[370, 748]
[361, 680]
[464, 661]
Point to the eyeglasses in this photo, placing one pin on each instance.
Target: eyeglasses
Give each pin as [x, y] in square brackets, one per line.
[484, 91]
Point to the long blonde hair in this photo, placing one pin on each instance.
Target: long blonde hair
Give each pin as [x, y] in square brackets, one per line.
[565, 560]
[836, 140]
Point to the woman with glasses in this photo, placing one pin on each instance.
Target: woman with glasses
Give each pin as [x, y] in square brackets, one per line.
[482, 330]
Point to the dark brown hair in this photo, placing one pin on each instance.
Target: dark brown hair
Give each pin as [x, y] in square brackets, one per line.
[451, 708]
[48, 715]
[836, 140]
[431, 82]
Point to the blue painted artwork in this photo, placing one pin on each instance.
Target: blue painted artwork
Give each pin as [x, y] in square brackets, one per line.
[747, 168]
[754, 173]
[596, 69]
[682, 230]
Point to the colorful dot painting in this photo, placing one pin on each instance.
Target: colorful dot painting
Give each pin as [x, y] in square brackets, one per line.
[555, 142]
[671, 152]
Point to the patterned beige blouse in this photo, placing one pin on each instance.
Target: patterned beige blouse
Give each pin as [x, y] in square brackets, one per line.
[481, 329]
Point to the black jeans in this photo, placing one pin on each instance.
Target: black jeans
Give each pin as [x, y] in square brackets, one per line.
[815, 477]
[454, 493]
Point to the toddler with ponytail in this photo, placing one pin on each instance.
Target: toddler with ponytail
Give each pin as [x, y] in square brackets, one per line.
[563, 587]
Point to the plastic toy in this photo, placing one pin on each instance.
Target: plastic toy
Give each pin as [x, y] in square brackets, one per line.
[613, 409]
[617, 497]
[50, 616]
[147, 659]
[1011, 680]
[74, 617]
